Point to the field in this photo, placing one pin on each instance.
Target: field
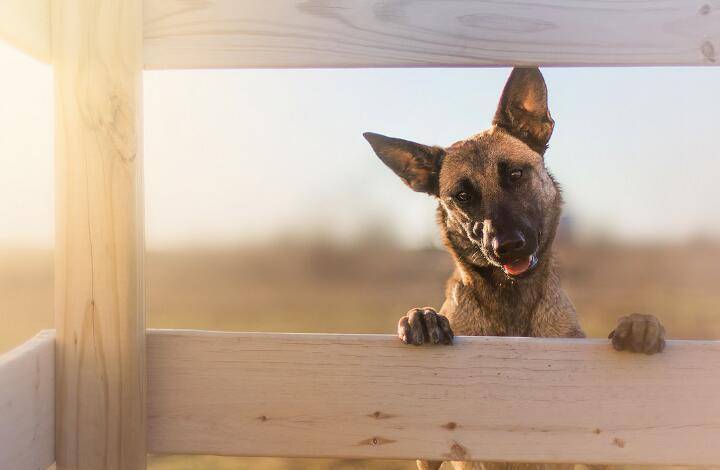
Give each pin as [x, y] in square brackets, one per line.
[364, 289]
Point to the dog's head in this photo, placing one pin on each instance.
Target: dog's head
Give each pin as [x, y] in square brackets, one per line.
[499, 206]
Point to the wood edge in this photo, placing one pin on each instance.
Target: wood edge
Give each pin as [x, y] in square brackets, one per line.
[151, 66]
[26, 359]
[39, 340]
[496, 340]
[710, 465]
[30, 32]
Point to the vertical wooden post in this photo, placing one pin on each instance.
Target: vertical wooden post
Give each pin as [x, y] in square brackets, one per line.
[99, 302]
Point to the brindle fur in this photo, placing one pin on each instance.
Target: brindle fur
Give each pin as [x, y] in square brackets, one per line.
[480, 298]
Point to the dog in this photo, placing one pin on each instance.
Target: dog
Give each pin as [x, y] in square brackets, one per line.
[498, 212]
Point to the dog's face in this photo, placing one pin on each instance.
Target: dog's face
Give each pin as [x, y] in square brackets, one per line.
[499, 206]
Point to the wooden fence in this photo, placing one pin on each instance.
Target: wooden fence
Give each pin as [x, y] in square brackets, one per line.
[116, 398]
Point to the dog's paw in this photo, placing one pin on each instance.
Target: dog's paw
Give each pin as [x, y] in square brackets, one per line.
[638, 333]
[424, 326]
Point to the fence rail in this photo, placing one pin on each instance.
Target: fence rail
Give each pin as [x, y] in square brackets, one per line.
[428, 33]
[369, 396]
[414, 33]
[27, 404]
[25, 24]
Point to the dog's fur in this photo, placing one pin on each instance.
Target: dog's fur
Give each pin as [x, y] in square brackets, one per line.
[498, 211]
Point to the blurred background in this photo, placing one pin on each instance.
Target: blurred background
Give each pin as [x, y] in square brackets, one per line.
[267, 210]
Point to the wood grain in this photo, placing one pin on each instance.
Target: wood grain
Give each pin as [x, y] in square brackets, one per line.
[368, 396]
[429, 33]
[25, 24]
[99, 305]
[27, 401]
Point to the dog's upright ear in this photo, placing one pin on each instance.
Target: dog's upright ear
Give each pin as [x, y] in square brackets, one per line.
[523, 109]
[416, 164]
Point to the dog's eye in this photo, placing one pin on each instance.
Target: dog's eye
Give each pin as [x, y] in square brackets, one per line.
[516, 175]
[463, 196]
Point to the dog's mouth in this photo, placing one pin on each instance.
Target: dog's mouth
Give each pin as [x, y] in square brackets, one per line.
[521, 266]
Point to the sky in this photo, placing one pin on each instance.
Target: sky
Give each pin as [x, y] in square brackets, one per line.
[239, 156]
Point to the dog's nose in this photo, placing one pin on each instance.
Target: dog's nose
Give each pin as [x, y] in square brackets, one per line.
[508, 243]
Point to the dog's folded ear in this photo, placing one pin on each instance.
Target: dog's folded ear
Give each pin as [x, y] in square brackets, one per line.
[416, 164]
[523, 109]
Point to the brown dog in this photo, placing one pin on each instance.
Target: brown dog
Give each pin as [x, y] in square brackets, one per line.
[498, 211]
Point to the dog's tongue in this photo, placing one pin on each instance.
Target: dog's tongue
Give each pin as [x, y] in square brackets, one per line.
[517, 267]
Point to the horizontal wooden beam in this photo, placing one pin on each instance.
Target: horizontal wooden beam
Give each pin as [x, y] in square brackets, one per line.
[369, 396]
[428, 33]
[350, 33]
[27, 404]
[25, 24]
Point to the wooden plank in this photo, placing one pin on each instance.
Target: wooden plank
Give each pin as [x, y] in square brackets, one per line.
[369, 396]
[100, 318]
[25, 24]
[27, 401]
[428, 33]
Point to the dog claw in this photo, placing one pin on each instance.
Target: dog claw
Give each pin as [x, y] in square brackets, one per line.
[638, 333]
[424, 326]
